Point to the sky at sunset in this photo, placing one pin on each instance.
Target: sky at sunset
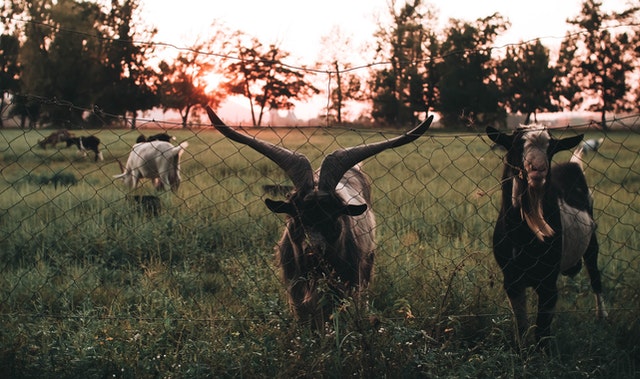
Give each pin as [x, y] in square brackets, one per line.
[298, 26]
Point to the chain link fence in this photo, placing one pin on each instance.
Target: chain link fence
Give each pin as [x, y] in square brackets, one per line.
[89, 271]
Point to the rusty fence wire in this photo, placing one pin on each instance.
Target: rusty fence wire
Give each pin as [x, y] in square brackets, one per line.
[76, 245]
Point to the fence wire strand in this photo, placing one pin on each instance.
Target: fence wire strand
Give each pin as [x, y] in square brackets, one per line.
[73, 242]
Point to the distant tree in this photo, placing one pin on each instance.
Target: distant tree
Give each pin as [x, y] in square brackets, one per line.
[260, 75]
[72, 60]
[182, 85]
[27, 108]
[35, 77]
[9, 69]
[468, 91]
[398, 92]
[30, 54]
[597, 61]
[386, 106]
[430, 90]
[636, 43]
[565, 88]
[346, 84]
[82, 54]
[348, 87]
[527, 80]
[128, 84]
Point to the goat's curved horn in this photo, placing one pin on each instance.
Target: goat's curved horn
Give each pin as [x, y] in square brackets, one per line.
[336, 164]
[296, 166]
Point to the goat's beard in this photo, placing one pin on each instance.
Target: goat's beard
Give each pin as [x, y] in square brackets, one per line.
[532, 213]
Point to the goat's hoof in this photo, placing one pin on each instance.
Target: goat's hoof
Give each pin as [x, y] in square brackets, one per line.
[601, 309]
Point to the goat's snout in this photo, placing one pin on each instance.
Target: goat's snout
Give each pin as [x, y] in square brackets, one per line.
[537, 169]
[314, 250]
[314, 245]
[536, 178]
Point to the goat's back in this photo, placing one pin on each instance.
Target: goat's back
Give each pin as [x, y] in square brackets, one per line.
[575, 202]
[569, 181]
[354, 188]
[155, 151]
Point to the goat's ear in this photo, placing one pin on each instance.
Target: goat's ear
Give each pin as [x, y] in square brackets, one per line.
[355, 210]
[565, 143]
[500, 138]
[278, 206]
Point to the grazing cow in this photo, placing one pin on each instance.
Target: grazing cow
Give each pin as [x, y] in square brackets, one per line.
[86, 143]
[545, 225]
[327, 249]
[156, 137]
[158, 161]
[54, 138]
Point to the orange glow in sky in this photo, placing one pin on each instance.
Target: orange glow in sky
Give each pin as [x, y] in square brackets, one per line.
[297, 27]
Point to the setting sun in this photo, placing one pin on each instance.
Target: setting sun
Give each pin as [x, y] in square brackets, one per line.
[212, 81]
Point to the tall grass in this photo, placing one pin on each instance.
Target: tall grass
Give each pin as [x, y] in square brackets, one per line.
[92, 287]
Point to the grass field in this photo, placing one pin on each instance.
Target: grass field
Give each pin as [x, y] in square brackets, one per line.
[93, 288]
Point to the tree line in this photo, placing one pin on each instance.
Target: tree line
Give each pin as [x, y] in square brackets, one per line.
[98, 55]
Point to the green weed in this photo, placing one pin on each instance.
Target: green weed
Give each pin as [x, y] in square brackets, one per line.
[90, 287]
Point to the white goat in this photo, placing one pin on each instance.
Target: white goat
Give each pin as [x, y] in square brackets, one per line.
[591, 145]
[158, 161]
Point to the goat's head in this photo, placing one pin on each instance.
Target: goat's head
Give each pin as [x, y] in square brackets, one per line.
[314, 218]
[314, 203]
[530, 150]
[72, 141]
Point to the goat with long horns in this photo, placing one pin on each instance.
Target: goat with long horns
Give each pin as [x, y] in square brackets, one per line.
[329, 237]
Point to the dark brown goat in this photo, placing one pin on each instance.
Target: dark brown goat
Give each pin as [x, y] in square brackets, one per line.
[54, 138]
[545, 225]
[326, 252]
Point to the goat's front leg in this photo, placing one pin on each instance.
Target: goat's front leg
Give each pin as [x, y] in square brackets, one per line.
[164, 183]
[547, 299]
[518, 300]
[591, 261]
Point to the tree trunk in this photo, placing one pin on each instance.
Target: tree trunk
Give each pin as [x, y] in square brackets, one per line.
[338, 106]
[133, 120]
[603, 120]
[1, 109]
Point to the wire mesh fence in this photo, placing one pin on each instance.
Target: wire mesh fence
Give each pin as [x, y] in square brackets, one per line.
[82, 256]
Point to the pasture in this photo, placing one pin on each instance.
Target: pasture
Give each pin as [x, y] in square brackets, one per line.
[92, 287]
